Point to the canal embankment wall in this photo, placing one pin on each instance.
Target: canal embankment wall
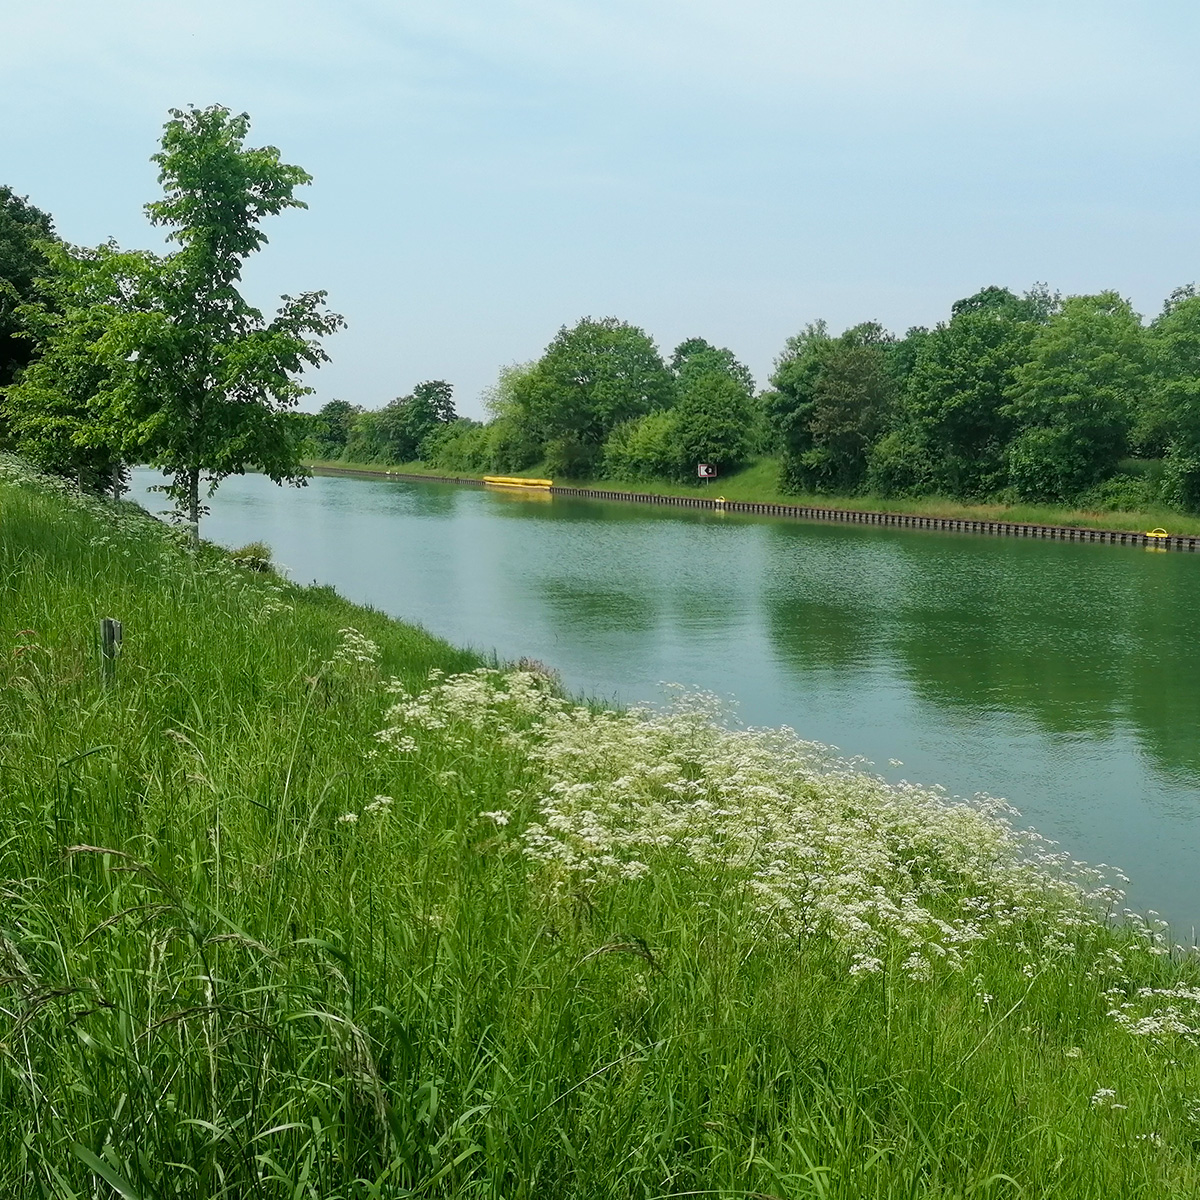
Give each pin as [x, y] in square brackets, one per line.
[810, 512]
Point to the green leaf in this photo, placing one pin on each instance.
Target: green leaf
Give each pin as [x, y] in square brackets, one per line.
[101, 1168]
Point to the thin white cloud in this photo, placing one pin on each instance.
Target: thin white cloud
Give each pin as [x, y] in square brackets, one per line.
[1010, 52]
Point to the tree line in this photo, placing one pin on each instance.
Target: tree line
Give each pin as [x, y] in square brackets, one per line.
[1028, 397]
[110, 357]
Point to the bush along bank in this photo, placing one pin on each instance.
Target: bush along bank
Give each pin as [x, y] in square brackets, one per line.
[1014, 399]
[307, 903]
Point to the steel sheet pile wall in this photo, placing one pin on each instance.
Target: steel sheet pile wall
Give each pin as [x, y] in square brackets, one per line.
[856, 516]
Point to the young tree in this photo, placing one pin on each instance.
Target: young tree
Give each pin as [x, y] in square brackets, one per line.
[695, 356]
[647, 447]
[193, 378]
[406, 422]
[514, 440]
[1074, 399]
[329, 428]
[436, 397]
[714, 407]
[458, 445]
[790, 403]
[714, 419]
[852, 403]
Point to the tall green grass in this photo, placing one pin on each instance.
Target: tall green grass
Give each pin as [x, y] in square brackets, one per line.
[249, 950]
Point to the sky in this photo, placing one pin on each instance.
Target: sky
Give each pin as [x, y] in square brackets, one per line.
[487, 171]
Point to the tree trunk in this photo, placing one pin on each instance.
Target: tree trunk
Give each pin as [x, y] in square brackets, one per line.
[194, 504]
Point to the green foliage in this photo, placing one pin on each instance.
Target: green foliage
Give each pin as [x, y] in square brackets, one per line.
[833, 399]
[329, 429]
[790, 404]
[405, 429]
[25, 232]
[714, 417]
[592, 378]
[53, 411]
[402, 426]
[515, 440]
[1037, 306]
[714, 409]
[1137, 486]
[955, 402]
[461, 445]
[901, 463]
[1015, 397]
[695, 357]
[646, 449]
[903, 352]
[1174, 345]
[1073, 401]
[570, 456]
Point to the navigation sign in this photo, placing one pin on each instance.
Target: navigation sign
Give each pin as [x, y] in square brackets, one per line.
[706, 471]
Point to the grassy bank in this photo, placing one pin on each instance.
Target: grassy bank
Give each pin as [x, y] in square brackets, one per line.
[759, 483]
[310, 904]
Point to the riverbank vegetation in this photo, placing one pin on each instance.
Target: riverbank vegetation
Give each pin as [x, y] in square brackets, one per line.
[758, 482]
[1030, 399]
[307, 903]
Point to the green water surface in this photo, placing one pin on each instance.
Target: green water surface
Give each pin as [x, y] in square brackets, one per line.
[1063, 677]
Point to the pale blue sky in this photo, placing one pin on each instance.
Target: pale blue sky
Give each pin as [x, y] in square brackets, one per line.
[488, 170]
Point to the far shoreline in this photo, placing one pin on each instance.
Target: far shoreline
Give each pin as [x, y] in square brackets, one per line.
[934, 514]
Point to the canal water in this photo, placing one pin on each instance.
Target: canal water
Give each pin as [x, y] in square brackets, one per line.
[1063, 677]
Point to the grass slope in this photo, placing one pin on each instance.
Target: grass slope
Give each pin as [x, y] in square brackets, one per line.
[250, 948]
[759, 483]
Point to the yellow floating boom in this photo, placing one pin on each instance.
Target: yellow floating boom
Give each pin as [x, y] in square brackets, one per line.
[516, 481]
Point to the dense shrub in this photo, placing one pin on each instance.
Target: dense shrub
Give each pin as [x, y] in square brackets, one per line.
[648, 448]
[900, 464]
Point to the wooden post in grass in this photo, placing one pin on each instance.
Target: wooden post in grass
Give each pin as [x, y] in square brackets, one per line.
[110, 647]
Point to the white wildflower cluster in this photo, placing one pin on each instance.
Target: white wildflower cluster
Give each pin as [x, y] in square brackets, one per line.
[272, 606]
[379, 807]
[264, 601]
[356, 651]
[1106, 1098]
[502, 703]
[820, 848]
[1160, 1014]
